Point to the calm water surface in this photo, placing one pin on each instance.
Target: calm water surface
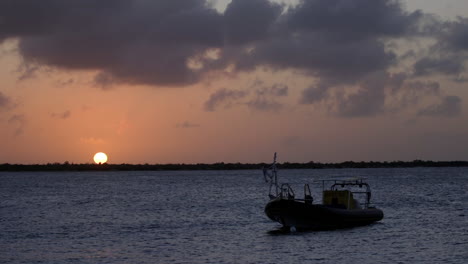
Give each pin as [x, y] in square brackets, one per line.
[217, 217]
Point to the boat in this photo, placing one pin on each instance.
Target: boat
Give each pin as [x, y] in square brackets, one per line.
[340, 207]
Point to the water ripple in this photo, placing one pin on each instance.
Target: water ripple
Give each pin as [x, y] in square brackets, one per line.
[217, 217]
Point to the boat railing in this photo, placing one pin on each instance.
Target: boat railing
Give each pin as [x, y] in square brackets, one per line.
[350, 184]
[284, 191]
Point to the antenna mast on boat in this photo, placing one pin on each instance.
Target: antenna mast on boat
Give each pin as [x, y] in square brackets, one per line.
[269, 173]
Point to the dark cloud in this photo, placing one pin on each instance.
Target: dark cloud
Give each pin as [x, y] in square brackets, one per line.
[5, 102]
[150, 42]
[142, 41]
[344, 46]
[314, 94]
[451, 65]
[317, 55]
[449, 53]
[341, 43]
[455, 34]
[249, 20]
[349, 20]
[264, 104]
[64, 115]
[449, 107]
[277, 89]
[376, 93]
[224, 98]
[368, 101]
[263, 98]
[104, 80]
[411, 92]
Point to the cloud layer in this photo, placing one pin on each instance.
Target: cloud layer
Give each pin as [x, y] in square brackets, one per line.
[339, 43]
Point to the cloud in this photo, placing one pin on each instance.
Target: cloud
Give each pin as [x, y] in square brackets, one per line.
[5, 102]
[263, 104]
[257, 97]
[27, 71]
[377, 93]
[336, 39]
[362, 98]
[187, 124]
[258, 17]
[64, 115]
[276, 89]
[320, 56]
[454, 34]
[449, 53]
[143, 42]
[449, 107]
[223, 98]
[314, 94]
[408, 94]
[368, 101]
[338, 43]
[449, 65]
[150, 42]
[104, 80]
[265, 98]
[353, 19]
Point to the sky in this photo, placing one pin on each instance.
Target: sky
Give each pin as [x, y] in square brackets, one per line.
[204, 81]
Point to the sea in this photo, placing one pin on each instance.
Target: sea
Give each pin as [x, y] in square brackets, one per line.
[218, 217]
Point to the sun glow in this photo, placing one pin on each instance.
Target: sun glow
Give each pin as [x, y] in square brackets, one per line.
[100, 158]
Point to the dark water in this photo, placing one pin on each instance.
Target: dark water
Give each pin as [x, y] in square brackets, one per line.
[217, 217]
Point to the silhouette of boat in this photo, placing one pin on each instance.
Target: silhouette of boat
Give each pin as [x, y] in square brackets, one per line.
[340, 207]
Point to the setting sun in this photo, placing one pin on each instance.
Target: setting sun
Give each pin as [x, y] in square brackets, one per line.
[100, 158]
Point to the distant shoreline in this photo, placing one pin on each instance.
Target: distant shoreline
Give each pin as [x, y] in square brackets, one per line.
[225, 166]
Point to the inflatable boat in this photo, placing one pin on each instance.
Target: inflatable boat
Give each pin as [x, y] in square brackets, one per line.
[340, 206]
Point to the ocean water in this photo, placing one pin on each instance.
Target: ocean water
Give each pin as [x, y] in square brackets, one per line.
[217, 217]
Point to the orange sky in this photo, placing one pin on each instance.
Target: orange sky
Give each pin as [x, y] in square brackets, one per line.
[57, 114]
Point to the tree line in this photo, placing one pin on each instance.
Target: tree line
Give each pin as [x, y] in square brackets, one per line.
[67, 166]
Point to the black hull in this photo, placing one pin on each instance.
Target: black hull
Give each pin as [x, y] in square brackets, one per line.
[293, 213]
